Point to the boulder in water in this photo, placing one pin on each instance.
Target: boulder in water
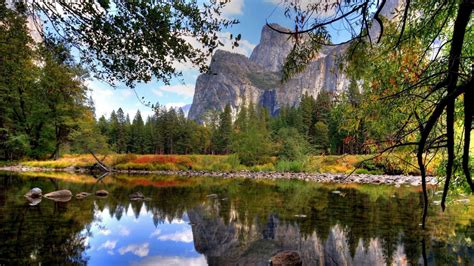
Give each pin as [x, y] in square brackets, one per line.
[82, 195]
[287, 257]
[102, 193]
[59, 195]
[137, 196]
[34, 193]
[33, 201]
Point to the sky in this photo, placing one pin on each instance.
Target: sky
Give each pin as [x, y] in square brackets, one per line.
[252, 15]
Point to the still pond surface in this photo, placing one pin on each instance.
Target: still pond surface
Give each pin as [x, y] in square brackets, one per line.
[201, 221]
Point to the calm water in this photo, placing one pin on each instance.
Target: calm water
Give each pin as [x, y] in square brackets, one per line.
[202, 221]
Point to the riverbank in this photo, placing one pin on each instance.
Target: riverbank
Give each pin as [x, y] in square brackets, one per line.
[396, 180]
[390, 164]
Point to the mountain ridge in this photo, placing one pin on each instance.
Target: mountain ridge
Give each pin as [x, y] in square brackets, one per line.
[239, 80]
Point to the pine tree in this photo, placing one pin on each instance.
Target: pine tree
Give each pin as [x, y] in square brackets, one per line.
[113, 132]
[252, 140]
[224, 131]
[122, 134]
[321, 133]
[306, 109]
[137, 134]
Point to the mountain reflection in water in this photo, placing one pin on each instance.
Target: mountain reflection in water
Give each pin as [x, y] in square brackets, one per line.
[200, 221]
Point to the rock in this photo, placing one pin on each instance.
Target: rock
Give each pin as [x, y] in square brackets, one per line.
[300, 215]
[33, 201]
[212, 196]
[82, 195]
[286, 258]
[136, 196]
[34, 193]
[102, 193]
[60, 195]
[465, 201]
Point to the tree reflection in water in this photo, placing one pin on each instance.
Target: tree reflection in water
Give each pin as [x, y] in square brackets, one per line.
[245, 222]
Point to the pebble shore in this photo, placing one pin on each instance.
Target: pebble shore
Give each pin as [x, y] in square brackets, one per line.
[396, 180]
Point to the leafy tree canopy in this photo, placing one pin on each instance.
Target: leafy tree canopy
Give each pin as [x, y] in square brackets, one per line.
[132, 41]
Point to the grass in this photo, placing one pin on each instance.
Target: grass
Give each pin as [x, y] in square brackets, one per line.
[388, 164]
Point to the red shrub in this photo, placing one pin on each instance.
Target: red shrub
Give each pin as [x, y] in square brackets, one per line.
[163, 159]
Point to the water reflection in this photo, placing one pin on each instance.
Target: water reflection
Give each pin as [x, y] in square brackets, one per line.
[202, 221]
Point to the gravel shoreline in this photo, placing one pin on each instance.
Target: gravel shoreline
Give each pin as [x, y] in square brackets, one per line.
[396, 180]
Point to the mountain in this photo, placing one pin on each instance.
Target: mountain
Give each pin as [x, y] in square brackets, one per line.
[186, 108]
[236, 79]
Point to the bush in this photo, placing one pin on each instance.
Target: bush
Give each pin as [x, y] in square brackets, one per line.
[233, 160]
[268, 167]
[122, 158]
[290, 166]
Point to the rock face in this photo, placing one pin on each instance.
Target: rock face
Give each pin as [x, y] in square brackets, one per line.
[237, 80]
[234, 243]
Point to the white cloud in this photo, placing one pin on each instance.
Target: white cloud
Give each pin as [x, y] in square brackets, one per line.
[185, 236]
[101, 96]
[245, 47]
[186, 90]
[157, 232]
[172, 261]
[233, 8]
[139, 250]
[124, 231]
[105, 232]
[109, 245]
[306, 4]
[157, 92]
[127, 93]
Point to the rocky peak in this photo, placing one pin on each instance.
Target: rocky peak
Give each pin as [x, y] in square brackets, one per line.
[273, 48]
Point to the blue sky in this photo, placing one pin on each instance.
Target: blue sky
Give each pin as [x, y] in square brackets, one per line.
[137, 241]
[252, 15]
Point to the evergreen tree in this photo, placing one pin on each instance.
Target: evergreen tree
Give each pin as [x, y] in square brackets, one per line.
[137, 134]
[321, 132]
[307, 112]
[252, 140]
[224, 131]
[323, 106]
[113, 132]
[103, 126]
[122, 131]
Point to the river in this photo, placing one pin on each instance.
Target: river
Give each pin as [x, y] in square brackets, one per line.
[215, 221]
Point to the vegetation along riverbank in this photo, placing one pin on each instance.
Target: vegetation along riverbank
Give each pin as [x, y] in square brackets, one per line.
[387, 169]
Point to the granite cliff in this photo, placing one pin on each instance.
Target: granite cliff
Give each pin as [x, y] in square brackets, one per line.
[236, 79]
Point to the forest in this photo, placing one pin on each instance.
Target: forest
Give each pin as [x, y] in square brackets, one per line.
[46, 112]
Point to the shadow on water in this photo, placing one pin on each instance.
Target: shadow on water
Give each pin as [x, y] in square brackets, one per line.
[225, 222]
